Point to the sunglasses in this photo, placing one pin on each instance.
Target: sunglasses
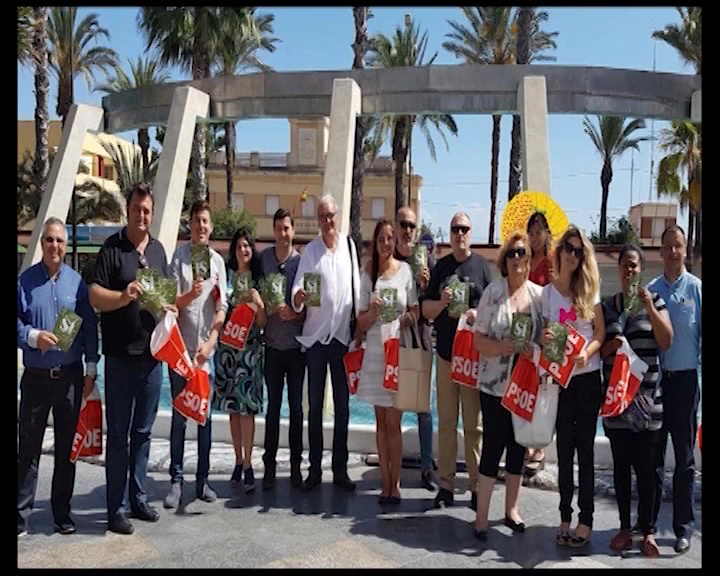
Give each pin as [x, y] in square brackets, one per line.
[327, 217]
[520, 252]
[408, 225]
[52, 240]
[143, 261]
[570, 249]
[460, 229]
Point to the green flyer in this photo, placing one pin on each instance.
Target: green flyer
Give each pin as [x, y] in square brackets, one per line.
[387, 310]
[633, 303]
[555, 349]
[273, 291]
[460, 300]
[418, 258]
[311, 285]
[66, 328]
[241, 288]
[200, 258]
[521, 330]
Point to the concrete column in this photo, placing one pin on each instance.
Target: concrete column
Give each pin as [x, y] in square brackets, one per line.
[696, 107]
[532, 108]
[61, 179]
[344, 109]
[188, 105]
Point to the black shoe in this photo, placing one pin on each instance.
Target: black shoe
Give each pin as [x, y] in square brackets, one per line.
[295, 478]
[444, 498]
[682, 545]
[145, 512]
[120, 525]
[481, 535]
[311, 482]
[268, 481]
[426, 481]
[21, 532]
[66, 526]
[473, 501]
[345, 483]
[514, 526]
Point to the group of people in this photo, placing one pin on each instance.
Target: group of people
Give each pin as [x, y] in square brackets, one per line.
[297, 342]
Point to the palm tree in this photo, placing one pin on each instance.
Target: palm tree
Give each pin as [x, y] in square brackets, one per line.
[487, 40]
[24, 34]
[686, 38]
[361, 15]
[70, 56]
[530, 45]
[143, 72]
[406, 48]
[236, 51]
[41, 161]
[185, 37]
[612, 140]
[680, 171]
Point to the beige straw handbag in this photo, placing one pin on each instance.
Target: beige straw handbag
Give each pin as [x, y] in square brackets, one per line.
[414, 374]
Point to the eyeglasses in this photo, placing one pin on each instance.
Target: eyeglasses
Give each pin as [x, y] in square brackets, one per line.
[520, 252]
[405, 225]
[460, 229]
[143, 261]
[327, 217]
[570, 249]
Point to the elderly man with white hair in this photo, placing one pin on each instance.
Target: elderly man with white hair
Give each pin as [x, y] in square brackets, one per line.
[326, 335]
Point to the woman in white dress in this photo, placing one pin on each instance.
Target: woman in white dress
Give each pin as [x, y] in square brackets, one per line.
[384, 271]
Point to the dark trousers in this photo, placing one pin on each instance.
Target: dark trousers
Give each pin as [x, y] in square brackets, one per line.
[39, 393]
[498, 435]
[634, 450]
[681, 396]
[132, 392]
[578, 408]
[318, 357]
[279, 365]
[177, 432]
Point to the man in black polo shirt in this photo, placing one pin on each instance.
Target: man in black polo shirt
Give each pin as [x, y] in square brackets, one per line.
[472, 268]
[132, 376]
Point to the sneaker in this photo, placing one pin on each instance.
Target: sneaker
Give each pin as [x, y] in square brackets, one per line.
[66, 526]
[444, 498]
[21, 532]
[236, 477]
[206, 493]
[249, 480]
[172, 500]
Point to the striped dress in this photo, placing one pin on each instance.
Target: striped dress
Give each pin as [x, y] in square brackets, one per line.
[639, 334]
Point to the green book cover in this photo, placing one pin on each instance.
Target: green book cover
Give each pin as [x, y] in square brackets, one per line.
[241, 287]
[521, 330]
[273, 291]
[633, 304]
[387, 310]
[149, 279]
[66, 328]
[418, 258]
[555, 349]
[200, 258]
[311, 285]
[460, 300]
[167, 289]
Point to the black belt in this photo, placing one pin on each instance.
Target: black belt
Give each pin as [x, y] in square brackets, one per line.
[671, 373]
[56, 372]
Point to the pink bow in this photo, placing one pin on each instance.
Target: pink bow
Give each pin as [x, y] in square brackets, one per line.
[567, 315]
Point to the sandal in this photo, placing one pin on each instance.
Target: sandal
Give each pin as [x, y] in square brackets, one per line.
[649, 547]
[580, 541]
[562, 538]
[622, 541]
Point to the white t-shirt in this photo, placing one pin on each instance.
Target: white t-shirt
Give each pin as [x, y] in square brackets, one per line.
[553, 303]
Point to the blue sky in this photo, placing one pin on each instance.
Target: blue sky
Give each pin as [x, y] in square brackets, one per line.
[321, 38]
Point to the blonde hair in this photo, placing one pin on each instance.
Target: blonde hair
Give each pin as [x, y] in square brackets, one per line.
[513, 237]
[585, 281]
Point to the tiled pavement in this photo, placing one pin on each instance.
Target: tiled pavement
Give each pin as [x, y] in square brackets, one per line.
[325, 528]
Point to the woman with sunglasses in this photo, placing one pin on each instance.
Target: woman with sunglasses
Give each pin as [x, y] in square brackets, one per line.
[514, 293]
[573, 298]
[540, 238]
[635, 434]
[239, 373]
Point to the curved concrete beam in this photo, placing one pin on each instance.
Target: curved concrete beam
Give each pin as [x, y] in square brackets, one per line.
[457, 89]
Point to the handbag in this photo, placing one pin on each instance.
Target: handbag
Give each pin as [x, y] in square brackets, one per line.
[540, 431]
[414, 374]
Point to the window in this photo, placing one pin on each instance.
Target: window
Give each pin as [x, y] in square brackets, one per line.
[646, 227]
[109, 173]
[272, 203]
[658, 227]
[308, 208]
[378, 208]
[238, 201]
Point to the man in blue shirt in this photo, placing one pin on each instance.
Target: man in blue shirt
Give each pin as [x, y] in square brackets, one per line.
[682, 292]
[52, 378]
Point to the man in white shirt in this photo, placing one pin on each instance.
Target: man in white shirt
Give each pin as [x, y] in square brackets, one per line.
[327, 334]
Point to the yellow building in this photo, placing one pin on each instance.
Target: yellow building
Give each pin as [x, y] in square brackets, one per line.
[264, 182]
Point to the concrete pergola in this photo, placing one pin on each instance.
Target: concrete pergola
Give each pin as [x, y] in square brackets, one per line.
[532, 92]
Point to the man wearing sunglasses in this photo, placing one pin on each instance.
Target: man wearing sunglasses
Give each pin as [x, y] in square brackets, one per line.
[471, 268]
[132, 376]
[52, 378]
[406, 233]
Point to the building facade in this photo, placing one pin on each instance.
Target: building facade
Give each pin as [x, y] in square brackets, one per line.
[650, 219]
[264, 182]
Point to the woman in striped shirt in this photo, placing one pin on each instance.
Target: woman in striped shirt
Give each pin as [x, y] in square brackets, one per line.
[634, 434]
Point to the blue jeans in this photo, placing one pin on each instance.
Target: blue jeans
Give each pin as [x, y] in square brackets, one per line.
[425, 433]
[132, 390]
[177, 432]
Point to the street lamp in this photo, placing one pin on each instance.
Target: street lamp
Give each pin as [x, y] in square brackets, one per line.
[408, 24]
